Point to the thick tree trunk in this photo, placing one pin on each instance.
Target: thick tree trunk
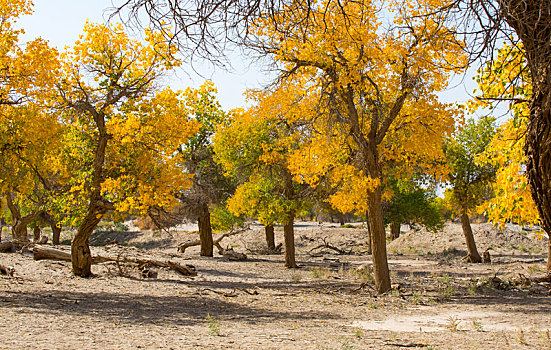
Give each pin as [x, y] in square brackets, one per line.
[378, 240]
[19, 225]
[394, 230]
[538, 151]
[19, 232]
[473, 255]
[205, 232]
[81, 257]
[531, 23]
[270, 237]
[289, 237]
[549, 255]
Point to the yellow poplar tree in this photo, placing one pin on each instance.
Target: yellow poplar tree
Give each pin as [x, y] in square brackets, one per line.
[124, 134]
[508, 79]
[29, 132]
[255, 149]
[376, 67]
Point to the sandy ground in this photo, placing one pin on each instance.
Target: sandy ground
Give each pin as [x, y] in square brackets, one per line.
[438, 301]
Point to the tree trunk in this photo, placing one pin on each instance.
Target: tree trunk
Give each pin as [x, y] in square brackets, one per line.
[19, 225]
[56, 233]
[205, 232]
[531, 23]
[549, 255]
[378, 239]
[19, 232]
[270, 237]
[538, 167]
[56, 228]
[394, 230]
[289, 236]
[473, 255]
[81, 257]
[369, 245]
[36, 234]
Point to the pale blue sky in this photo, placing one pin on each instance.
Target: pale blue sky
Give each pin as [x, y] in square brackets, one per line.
[61, 22]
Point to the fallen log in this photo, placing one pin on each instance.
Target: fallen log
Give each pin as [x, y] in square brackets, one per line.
[326, 245]
[183, 246]
[41, 252]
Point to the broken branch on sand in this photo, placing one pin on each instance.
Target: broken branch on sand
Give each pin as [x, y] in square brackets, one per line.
[41, 252]
[326, 245]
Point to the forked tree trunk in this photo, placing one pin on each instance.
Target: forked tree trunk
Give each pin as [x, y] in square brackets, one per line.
[81, 257]
[378, 240]
[205, 232]
[19, 232]
[19, 225]
[270, 237]
[473, 255]
[394, 230]
[289, 237]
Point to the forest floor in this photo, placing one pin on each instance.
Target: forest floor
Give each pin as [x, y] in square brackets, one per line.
[438, 301]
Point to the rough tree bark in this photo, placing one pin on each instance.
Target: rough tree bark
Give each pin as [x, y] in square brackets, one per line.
[20, 223]
[205, 232]
[19, 231]
[394, 230]
[473, 255]
[378, 240]
[538, 151]
[531, 20]
[80, 249]
[288, 225]
[270, 237]
[289, 237]
[81, 256]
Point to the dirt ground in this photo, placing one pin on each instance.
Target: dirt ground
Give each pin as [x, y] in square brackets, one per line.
[437, 302]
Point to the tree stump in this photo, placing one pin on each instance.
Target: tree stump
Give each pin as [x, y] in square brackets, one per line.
[486, 257]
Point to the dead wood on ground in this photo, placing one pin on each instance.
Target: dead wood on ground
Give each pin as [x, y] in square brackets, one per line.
[183, 246]
[41, 252]
[326, 245]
